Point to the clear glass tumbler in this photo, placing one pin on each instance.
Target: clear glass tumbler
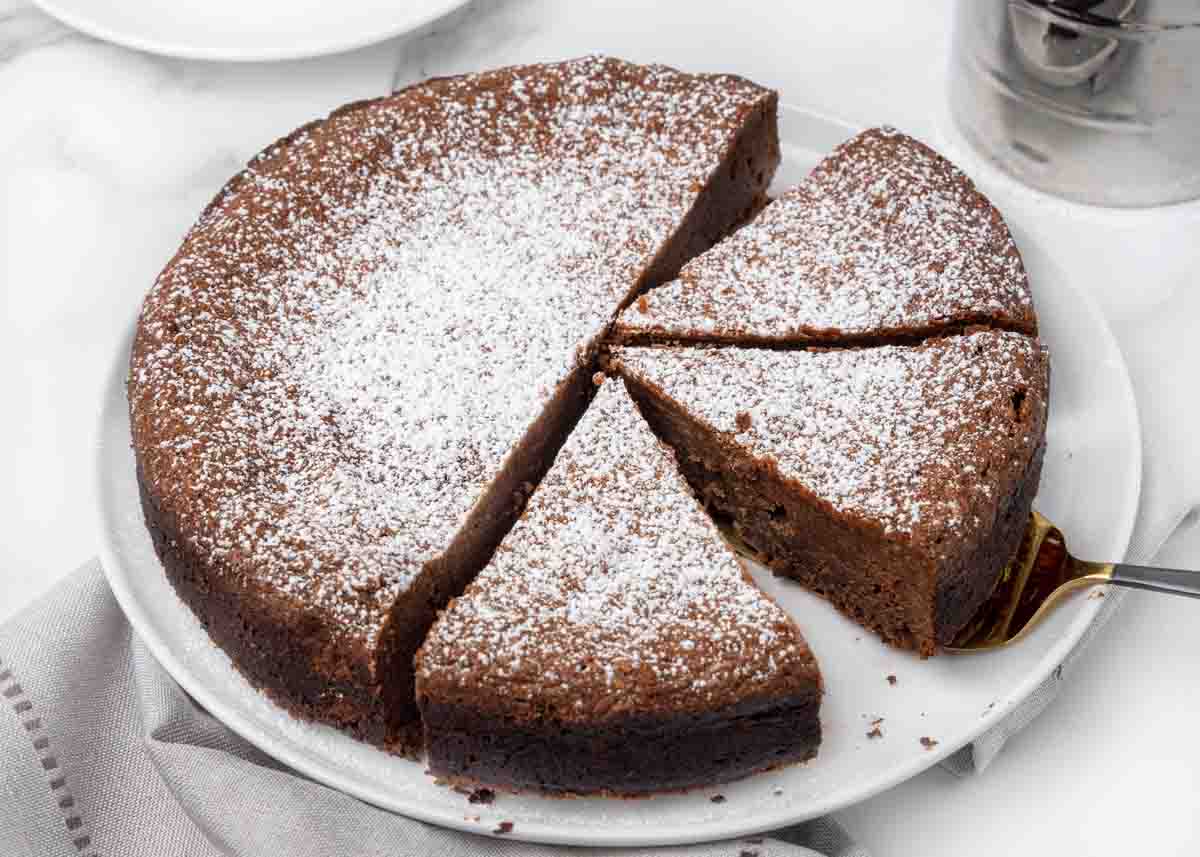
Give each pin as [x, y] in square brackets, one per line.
[1093, 100]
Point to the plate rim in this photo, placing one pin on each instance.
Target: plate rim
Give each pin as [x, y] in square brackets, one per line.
[681, 832]
[398, 26]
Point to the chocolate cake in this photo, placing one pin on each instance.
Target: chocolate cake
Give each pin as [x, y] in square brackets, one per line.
[886, 241]
[370, 346]
[614, 644]
[363, 360]
[896, 481]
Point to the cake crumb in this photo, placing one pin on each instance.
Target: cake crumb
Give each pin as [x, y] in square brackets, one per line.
[927, 742]
[503, 827]
[481, 795]
[717, 798]
[892, 680]
[643, 305]
[743, 420]
[1097, 593]
[875, 732]
[598, 378]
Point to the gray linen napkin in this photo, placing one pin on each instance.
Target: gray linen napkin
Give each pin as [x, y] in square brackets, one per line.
[101, 753]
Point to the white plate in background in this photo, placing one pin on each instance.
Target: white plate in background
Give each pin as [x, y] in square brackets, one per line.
[246, 30]
[1089, 486]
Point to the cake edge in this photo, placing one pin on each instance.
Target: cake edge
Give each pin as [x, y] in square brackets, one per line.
[622, 756]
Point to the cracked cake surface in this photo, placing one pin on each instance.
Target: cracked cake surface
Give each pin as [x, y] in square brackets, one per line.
[884, 240]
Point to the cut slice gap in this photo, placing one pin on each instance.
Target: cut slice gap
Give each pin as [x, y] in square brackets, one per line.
[491, 518]
[731, 198]
[614, 644]
[903, 491]
[823, 340]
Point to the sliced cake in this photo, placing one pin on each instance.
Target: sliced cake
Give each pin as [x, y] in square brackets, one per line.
[614, 644]
[896, 481]
[369, 347]
[885, 241]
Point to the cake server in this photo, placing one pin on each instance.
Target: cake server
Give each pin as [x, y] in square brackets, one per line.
[1040, 577]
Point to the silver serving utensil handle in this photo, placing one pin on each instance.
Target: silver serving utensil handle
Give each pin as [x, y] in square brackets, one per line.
[1173, 581]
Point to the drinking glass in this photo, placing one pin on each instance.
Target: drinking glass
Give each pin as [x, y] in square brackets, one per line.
[1093, 100]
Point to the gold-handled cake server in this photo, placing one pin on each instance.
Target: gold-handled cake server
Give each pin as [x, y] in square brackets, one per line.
[1041, 575]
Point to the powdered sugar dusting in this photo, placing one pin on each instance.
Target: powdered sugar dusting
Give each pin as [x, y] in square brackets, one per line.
[614, 588]
[885, 236]
[895, 435]
[356, 334]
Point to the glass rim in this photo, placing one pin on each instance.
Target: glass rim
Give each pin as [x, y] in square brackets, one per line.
[1102, 25]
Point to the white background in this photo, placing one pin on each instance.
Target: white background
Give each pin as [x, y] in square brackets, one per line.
[106, 155]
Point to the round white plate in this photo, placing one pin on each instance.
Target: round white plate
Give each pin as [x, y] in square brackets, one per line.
[1090, 487]
[236, 30]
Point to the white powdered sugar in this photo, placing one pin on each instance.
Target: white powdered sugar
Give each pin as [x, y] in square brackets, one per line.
[614, 588]
[884, 237]
[897, 436]
[357, 333]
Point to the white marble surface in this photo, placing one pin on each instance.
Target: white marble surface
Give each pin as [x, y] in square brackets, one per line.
[106, 155]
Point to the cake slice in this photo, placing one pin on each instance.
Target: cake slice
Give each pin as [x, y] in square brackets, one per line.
[886, 241]
[896, 481]
[370, 346]
[614, 644]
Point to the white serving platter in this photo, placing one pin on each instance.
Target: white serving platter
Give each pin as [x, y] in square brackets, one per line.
[1089, 486]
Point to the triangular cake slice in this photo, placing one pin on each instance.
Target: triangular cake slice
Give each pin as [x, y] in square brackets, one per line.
[896, 481]
[885, 241]
[614, 644]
